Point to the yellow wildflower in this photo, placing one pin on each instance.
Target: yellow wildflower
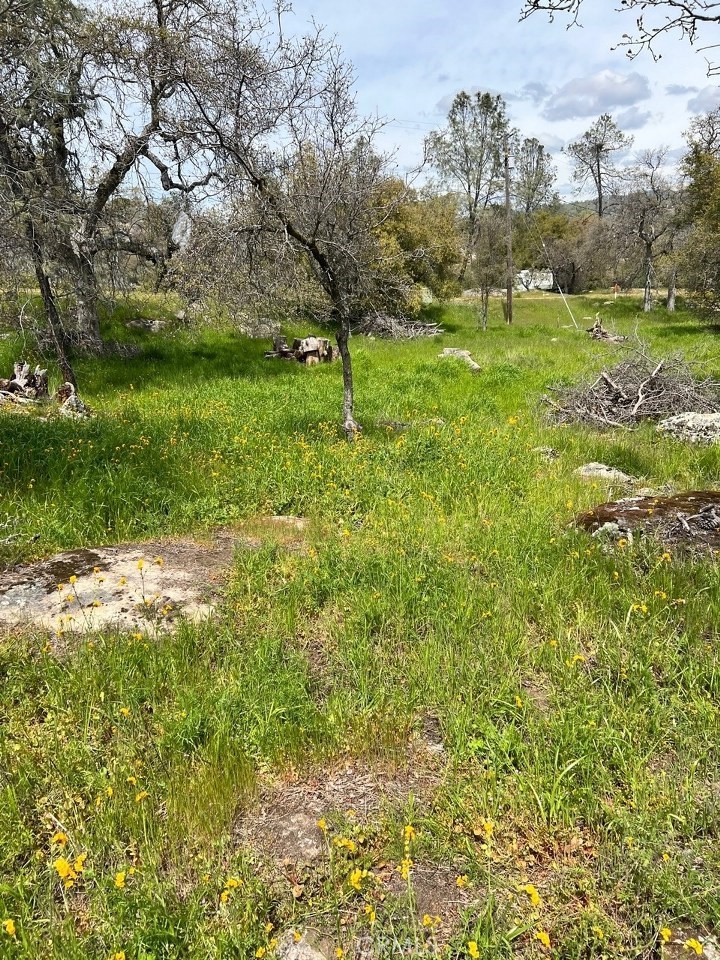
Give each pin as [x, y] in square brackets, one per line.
[322, 824]
[666, 933]
[140, 564]
[73, 579]
[109, 791]
[79, 864]
[139, 797]
[9, 927]
[461, 881]
[260, 952]
[531, 891]
[232, 883]
[339, 953]
[405, 867]
[119, 955]
[59, 838]
[356, 879]
[346, 844]
[370, 913]
[409, 833]
[472, 949]
[297, 936]
[599, 933]
[693, 944]
[544, 937]
[124, 711]
[120, 879]
[65, 871]
[224, 896]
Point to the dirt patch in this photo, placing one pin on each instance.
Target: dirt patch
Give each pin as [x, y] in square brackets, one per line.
[691, 518]
[284, 825]
[538, 693]
[435, 893]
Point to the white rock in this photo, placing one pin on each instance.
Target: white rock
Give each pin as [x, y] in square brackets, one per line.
[694, 427]
[601, 471]
[288, 949]
[457, 354]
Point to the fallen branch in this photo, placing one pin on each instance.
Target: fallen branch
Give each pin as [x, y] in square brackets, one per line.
[641, 397]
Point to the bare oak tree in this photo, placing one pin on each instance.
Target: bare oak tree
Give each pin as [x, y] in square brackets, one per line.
[653, 19]
[647, 213]
[91, 95]
[304, 181]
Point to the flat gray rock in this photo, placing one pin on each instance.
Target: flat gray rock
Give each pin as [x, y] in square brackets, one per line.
[601, 471]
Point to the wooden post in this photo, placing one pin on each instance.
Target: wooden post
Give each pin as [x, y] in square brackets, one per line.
[508, 239]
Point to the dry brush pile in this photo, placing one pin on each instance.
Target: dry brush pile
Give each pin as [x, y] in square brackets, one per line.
[638, 388]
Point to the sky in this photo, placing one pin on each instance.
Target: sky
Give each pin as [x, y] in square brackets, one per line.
[412, 56]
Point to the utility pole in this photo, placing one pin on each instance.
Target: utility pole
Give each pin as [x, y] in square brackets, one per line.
[508, 239]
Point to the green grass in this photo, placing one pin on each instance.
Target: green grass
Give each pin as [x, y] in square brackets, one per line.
[443, 575]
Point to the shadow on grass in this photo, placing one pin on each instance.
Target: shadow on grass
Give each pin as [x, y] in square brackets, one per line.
[182, 358]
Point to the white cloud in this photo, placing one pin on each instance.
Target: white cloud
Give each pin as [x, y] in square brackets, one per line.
[678, 90]
[633, 118]
[707, 99]
[598, 93]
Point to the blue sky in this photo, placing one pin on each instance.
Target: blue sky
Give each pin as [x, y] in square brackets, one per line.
[412, 56]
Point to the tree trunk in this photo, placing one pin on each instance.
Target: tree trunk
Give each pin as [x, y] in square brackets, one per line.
[52, 314]
[350, 425]
[484, 305]
[472, 240]
[86, 301]
[647, 298]
[598, 181]
[671, 290]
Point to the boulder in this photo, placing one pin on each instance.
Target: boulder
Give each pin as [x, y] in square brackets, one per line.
[693, 427]
[463, 355]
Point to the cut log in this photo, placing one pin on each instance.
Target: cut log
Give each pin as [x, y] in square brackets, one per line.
[307, 350]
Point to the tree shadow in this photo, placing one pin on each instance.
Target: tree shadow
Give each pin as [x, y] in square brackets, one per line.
[181, 359]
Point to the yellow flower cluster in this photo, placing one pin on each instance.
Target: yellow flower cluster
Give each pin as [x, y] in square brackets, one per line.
[231, 884]
[70, 872]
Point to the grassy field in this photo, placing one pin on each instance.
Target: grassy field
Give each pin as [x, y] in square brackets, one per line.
[441, 585]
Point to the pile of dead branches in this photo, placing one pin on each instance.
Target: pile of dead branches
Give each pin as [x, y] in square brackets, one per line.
[638, 388]
[396, 328]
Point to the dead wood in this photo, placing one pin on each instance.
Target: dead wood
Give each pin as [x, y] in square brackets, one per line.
[25, 386]
[598, 332]
[307, 350]
[396, 328]
[638, 388]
